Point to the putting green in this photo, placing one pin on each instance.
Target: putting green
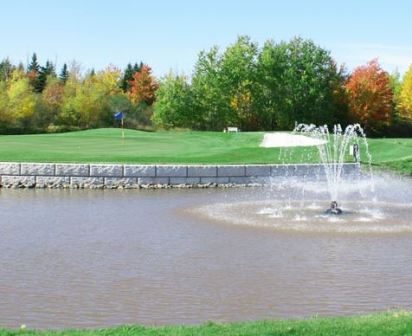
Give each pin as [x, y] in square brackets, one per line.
[174, 147]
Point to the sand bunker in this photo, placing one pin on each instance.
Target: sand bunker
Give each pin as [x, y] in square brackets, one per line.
[282, 139]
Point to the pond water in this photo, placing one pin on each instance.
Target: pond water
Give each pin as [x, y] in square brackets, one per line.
[93, 258]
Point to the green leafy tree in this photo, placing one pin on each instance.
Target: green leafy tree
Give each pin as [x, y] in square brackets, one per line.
[174, 104]
[300, 83]
[206, 86]
[238, 77]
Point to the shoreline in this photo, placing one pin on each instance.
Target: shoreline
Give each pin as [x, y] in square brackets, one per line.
[392, 322]
[129, 176]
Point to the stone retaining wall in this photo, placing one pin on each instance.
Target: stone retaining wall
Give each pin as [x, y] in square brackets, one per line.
[69, 175]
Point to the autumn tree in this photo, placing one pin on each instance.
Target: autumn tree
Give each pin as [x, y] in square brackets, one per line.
[86, 102]
[3, 104]
[21, 100]
[143, 86]
[50, 103]
[128, 75]
[370, 96]
[404, 101]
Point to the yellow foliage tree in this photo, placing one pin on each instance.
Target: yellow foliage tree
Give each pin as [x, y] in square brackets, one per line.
[3, 101]
[85, 101]
[404, 102]
[21, 99]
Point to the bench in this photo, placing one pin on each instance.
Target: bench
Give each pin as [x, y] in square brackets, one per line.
[231, 129]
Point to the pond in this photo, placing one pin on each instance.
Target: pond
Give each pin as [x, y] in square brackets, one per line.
[93, 258]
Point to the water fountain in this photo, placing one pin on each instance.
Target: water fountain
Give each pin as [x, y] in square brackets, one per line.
[332, 150]
[359, 202]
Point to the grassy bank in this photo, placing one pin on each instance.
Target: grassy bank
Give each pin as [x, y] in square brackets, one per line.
[107, 145]
[392, 323]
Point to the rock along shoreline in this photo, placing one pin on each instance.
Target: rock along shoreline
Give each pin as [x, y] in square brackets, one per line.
[130, 176]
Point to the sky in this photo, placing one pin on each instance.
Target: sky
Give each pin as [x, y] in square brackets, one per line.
[168, 35]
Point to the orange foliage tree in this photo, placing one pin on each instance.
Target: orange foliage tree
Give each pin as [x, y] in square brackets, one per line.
[143, 86]
[369, 95]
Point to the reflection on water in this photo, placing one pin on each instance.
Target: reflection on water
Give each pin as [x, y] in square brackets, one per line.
[99, 258]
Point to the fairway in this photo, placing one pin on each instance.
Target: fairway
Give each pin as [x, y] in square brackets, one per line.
[106, 145]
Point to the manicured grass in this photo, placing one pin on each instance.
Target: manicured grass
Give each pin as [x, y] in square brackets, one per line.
[106, 145]
[394, 154]
[388, 324]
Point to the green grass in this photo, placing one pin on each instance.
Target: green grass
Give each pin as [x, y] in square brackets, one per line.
[391, 323]
[394, 154]
[106, 145]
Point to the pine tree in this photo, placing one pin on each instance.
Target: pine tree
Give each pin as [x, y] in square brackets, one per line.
[64, 74]
[127, 77]
[6, 69]
[45, 71]
[20, 67]
[34, 65]
[33, 71]
[137, 67]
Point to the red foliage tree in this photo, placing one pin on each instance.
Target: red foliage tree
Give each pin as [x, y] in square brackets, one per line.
[143, 86]
[369, 95]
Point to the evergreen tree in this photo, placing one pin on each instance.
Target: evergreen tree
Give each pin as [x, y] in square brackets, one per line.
[127, 77]
[34, 64]
[6, 69]
[33, 70]
[137, 67]
[20, 67]
[45, 71]
[64, 74]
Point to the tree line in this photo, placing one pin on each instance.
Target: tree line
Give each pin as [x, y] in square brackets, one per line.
[37, 99]
[251, 87]
[272, 87]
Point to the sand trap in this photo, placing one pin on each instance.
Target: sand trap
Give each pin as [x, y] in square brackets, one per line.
[282, 139]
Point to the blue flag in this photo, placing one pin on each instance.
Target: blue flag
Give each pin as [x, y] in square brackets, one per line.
[118, 116]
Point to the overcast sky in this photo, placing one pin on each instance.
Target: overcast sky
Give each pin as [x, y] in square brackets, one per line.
[168, 35]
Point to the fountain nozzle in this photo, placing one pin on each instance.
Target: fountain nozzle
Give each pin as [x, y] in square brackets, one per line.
[334, 209]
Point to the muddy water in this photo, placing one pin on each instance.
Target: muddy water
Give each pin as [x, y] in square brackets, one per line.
[99, 258]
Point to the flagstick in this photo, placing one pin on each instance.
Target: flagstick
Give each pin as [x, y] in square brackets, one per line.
[122, 129]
